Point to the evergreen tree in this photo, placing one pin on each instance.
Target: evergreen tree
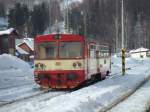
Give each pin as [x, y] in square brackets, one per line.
[39, 18]
[18, 17]
[76, 21]
[2, 10]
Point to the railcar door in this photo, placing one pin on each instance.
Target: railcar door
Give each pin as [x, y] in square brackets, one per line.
[92, 65]
[98, 58]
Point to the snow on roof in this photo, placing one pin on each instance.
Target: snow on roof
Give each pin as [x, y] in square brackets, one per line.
[7, 32]
[29, 42]
[139, 50]
[21, 51]
[132, 51]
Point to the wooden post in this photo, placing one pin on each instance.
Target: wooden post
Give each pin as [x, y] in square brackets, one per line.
[123, 61]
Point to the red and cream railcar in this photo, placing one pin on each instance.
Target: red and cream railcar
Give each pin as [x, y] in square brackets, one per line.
[67, 61]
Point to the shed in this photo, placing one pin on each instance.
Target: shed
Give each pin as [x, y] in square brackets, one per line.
[7, 41]
[139, 53]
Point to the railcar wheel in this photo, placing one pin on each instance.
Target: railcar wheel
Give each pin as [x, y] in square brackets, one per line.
[107, 73]
[98, 77]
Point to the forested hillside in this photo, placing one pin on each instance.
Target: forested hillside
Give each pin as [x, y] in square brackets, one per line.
[101, 19]
[96, 19]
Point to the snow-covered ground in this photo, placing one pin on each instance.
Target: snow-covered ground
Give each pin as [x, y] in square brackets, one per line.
[100, 96]
[14, 72]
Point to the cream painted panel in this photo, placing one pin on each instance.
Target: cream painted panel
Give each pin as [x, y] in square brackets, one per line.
[105, 66]
[61, 64]
[92, 67]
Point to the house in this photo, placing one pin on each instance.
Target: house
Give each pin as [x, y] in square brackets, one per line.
[25, 48]
[139, 53]
[7, 41]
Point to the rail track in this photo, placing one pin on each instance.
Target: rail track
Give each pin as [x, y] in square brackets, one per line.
[123, 98]
[43, 97]
[29, 94]
[15, 86]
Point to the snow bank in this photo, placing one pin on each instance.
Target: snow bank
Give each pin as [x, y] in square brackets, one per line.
[14, 72]
[8, 62]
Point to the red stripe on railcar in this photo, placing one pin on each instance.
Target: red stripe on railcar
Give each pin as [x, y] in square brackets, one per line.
[59, 78]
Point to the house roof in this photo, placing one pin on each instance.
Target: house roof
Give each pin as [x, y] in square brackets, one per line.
[7, 32]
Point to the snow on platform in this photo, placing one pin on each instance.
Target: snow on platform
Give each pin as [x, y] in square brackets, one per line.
[94, 98]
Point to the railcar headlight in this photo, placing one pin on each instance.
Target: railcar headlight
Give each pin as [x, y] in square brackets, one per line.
[79, 64]
[71, 76]
[74, 65]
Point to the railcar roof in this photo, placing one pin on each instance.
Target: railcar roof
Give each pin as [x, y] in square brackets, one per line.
[63, 37]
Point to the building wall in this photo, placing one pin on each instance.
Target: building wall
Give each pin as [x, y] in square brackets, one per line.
[138, 55]
[7, 43]
[4, 44]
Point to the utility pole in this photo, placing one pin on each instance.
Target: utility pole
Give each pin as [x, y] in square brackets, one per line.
[122, 24]
[122, 32]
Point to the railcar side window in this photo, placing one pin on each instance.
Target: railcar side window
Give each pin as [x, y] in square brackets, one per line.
[92, 47]
[92, 51]
[104, 51]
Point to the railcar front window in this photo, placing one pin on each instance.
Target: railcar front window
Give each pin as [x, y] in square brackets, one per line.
[71, 50]
[46, 50]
